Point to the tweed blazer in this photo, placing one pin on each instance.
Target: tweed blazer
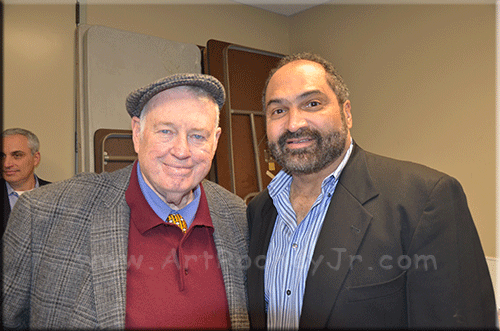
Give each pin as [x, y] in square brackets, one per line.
[65, 253]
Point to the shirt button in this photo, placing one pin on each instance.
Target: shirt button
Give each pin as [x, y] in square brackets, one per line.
[288, 292]
[294, 246]
[186, 271]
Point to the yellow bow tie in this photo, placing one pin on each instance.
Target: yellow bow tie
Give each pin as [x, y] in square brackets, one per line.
[178, 220]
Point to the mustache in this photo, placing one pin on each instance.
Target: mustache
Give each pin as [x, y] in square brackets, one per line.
[301, 133]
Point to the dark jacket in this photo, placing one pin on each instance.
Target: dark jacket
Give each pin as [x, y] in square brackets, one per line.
[6, 203]
[398, 248]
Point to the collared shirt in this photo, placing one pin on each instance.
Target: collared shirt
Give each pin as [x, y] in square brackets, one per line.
[14, 195]
[291, 248]
[161, 208]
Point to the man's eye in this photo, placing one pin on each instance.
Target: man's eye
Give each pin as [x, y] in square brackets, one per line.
[198, 137]
[313, 104]
[165, 131]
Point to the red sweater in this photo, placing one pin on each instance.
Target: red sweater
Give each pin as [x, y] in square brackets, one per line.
[174, 281]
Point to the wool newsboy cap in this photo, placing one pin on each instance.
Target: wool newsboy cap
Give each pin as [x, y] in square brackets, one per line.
[137, 99]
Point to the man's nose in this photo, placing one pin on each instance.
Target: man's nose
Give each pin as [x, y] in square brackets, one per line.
[181, 148]
[296, 119]
[7, 161]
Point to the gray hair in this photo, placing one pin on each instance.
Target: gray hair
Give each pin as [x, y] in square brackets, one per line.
[332, 76]
[33, 142]
[197, 91]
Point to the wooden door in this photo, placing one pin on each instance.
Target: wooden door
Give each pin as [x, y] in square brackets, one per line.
[240, 163]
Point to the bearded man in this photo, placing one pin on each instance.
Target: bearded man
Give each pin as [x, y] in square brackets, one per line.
[343, 238]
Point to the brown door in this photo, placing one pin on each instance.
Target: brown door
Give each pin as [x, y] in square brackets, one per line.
[240, 163]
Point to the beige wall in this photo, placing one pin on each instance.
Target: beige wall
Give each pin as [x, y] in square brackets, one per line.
[197, 24]
[422, 77]
[422, 81]
[38, 81]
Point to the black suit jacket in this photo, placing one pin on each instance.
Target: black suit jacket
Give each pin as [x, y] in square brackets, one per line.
[398, 248]
[6, 203]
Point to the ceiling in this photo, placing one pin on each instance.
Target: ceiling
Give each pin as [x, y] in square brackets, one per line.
[283, 7]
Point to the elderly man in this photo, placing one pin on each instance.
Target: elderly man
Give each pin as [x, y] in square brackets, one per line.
[153, 245]
[352, 239]
[20, 157]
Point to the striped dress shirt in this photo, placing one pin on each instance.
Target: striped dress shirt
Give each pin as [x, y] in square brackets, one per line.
[291, 249]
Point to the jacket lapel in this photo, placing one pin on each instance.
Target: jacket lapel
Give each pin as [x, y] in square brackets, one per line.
[231, 247]
[258, 249]
[345, 225]
[6, 205]
[269, 214]
[109, 245]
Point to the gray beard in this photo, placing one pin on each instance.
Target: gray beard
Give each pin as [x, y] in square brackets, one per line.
[310, 159]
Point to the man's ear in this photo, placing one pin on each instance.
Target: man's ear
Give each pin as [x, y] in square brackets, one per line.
[346, 108]
[136, 132]
[37, 158]
[217, 135]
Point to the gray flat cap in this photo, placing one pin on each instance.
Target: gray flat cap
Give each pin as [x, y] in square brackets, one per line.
[140, 97]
